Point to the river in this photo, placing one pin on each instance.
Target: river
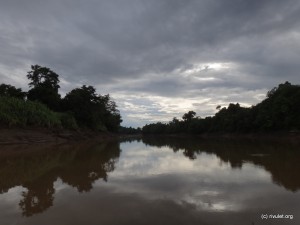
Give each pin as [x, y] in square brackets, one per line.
[151, 181]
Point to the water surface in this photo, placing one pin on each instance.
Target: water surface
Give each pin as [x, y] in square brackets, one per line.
[150, 181]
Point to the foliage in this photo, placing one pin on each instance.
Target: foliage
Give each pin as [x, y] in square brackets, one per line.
[81, 107]
[188, 116]
[155, 128]
[43, 76]
[47, 96]
[280, 111]
[16, 112]
[112, 117]
[11, 91]
[92, 110]
[68, 121]
[45, 84]
[129, 130]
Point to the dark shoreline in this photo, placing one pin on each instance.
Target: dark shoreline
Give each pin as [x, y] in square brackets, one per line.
[10, 136]
[59, 136]
[280, 136]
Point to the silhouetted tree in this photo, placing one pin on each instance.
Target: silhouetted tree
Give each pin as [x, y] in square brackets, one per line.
[280, 111]
[129, 130]
[188, 116]
[45, 84]
[43, 76]
[112, 115]
[11, 91]
[92, 110]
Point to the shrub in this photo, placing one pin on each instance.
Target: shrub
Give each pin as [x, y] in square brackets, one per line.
[17, 112]
[68, 121]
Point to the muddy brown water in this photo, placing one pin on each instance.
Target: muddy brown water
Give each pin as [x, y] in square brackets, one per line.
[151, 181]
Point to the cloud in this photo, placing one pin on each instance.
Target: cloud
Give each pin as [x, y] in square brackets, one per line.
[158, 49]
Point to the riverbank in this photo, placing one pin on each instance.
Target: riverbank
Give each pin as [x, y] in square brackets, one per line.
[10, 136]
[293, 136]
[44, 135]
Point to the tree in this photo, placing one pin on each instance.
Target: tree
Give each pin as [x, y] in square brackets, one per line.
[11, 91]
[43, 76]
[280, 111]
[82, 102]
[92, 110]
[45, 84]
[112, 114]
[188, 116]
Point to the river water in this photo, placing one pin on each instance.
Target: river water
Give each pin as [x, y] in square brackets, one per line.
[151, 181]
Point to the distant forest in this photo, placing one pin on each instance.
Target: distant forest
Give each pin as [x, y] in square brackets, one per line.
[42, 105]
[280, 111]
[83, 108]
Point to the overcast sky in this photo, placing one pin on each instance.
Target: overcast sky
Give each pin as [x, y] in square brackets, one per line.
[157, 58]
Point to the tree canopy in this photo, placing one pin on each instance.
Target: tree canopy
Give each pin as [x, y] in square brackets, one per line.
[43, 76]
[81, 107]
[44, 85]
[188, 116]
[92, 110]
[280, 111]
[7, 90]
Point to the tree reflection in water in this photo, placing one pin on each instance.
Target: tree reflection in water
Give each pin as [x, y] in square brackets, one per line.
[279, 157]
[39, 196]
[37, 168]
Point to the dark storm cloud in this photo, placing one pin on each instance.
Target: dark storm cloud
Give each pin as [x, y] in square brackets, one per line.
[150, 45]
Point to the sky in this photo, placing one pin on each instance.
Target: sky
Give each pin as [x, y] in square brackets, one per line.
[157, 59]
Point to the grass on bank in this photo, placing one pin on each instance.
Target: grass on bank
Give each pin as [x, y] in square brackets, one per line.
[19, 113]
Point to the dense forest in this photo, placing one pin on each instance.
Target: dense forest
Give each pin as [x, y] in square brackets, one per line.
[43, 106]
[280, 111]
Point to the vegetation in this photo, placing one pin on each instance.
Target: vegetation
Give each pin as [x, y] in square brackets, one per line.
[44, 83]
[10, 91]
[280, 111]
[92, 110]
[43, 106]
[16, 112]
[82, 107]
[130, 130]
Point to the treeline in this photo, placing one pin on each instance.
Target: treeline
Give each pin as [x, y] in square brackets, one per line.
[280, 111]
[43, 106]
[130, 130]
